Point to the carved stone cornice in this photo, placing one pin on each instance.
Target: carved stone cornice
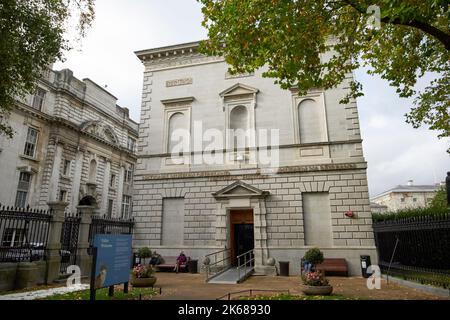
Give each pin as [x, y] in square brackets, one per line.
[174, 56]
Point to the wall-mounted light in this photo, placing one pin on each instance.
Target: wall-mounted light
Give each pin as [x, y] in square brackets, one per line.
[349, 214]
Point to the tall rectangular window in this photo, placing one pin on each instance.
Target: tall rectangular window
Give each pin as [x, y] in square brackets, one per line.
[23, 189]
[38, 99]
[129, 174]
[31, 142]
[66, 168]
[126, 207]
[13, 237]
[112, 181]
[131, 144]
[110, 207]
[63, 195]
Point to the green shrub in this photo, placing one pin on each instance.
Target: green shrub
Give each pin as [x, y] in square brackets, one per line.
[410, 213]
[314, 255]
[144, 253]
[439, 201]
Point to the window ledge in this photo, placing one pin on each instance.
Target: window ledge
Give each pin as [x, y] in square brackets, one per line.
[22, 156]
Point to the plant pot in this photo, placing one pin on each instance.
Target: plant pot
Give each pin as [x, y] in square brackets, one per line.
[143, 282]
[317, 290]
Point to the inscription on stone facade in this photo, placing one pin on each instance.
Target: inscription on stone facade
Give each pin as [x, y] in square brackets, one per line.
[179, 82]
[227, 174]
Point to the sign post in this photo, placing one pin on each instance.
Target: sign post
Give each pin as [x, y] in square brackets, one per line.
[111, 262]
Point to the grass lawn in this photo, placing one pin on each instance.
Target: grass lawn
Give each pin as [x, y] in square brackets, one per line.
[37, 288]
[102, 294]
[285, 296]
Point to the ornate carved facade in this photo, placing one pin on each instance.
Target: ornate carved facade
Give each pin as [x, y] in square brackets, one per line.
[72, 143]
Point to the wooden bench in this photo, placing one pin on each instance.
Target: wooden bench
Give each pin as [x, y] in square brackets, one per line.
[169, 263]
[334, 267]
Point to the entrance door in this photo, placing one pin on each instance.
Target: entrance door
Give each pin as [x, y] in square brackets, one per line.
[242, 233]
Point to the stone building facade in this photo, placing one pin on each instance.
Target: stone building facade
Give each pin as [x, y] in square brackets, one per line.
[72, 143]
[407, 196]
[311, 193]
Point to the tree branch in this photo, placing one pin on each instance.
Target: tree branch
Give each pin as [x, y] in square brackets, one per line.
[437, 33]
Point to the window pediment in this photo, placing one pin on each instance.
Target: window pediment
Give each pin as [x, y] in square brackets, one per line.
[238, 89]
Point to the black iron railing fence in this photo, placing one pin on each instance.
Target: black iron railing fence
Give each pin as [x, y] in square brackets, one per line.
[23, 234]
[69, 240]
[416, 248]
[104, 225]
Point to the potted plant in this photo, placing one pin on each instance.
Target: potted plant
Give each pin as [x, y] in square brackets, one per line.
[144, 253]
[314, 281]
[312, 257]
[315, 284]
[142, 276]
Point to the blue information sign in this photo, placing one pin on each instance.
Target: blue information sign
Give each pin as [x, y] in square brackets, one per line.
[113, 259]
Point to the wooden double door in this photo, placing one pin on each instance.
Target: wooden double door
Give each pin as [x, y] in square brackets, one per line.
[241, 233]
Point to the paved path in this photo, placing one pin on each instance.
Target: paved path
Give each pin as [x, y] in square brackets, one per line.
[184, 286]
[31, 295]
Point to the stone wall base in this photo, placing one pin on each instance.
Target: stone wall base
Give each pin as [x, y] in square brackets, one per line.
[8, 273]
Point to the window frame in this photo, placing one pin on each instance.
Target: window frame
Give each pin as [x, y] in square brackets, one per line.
[27, 149]
[317, 96]
[13, 242]
[38, 100]
[112, 181]
[126, 206]
[131, 146]
[110, 208]
[62, 195]
[66, 167]
[23, 191]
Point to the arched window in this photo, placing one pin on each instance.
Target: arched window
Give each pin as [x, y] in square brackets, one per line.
[239, 125]
[93, 171]
[310, 122]
[177, 134]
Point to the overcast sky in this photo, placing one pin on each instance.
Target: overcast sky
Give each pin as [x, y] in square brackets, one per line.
[394, 150]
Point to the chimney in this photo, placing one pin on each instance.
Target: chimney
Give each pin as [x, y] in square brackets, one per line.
[410, 182]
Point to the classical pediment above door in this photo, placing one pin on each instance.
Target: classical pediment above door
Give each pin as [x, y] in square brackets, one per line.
[240, 189]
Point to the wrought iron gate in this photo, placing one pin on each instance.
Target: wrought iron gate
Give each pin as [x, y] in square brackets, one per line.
[69, 241]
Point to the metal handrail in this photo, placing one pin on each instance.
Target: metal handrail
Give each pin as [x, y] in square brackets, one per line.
[229, 294]
[251, 258]
[226, 257]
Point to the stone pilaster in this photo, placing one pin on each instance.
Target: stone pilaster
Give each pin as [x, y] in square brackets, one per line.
[77, 180]
[54, 178]
[84, 260]
[105, 188]
[120, 190]
[54, 240]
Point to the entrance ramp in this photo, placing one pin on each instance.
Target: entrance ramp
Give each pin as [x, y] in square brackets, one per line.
[232, 276]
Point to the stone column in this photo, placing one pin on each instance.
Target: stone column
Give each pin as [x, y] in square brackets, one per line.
[54, 178]
[105, 187]
[54, 240]
[260, 232]
[84, 260]
[120, 190]
[77, 180]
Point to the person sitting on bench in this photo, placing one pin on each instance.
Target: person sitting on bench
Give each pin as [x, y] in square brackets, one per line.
[155, 259]
[180, 260]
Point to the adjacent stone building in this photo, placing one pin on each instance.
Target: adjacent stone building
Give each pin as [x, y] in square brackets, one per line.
[72, 143]
[407, 196]
[306, 187]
